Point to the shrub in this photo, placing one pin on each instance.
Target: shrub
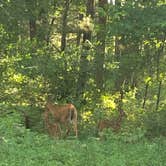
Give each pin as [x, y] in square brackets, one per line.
[155, 123]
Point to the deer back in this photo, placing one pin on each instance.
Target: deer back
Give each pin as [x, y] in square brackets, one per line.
[62, 113]
[105, 123]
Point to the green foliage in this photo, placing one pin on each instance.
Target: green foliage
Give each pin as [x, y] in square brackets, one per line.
[23, 147]
[126, 136]
[155, 123]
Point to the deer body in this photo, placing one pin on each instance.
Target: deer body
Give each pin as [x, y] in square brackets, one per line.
[62, 115]
[113, 124]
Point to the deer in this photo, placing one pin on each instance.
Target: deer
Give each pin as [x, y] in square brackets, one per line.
[53, 129]
[61, 115]
[115, 124]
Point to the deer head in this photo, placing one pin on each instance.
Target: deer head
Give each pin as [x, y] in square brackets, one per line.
[61, 115]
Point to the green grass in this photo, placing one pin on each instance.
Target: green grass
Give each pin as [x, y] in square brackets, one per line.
[40, 150]
[21, 147]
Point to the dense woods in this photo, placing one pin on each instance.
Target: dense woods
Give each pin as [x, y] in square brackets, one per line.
[107, 58]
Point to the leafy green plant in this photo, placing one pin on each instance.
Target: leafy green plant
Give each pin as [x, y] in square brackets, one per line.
[155, 123]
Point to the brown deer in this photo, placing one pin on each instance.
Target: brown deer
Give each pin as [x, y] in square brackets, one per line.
[61, 115]
[113, 124]
[53, 129]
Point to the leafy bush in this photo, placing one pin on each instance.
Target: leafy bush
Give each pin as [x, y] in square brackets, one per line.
[155, 123]
[132, 136]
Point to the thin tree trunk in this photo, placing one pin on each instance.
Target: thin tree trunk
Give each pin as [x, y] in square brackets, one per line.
[44, 22]
[100, 50]
[63, 44]
[79, 31]
[49, 31]
[120, 100]
[117, 49]
[31, 6]
[85, 48]
[118, 53]
[64, 24]
[158, 65]
[32, 28]
[160, 51]
[120, 103]
[26, 121]
[146, 93]
[158, 95]
[78, 38]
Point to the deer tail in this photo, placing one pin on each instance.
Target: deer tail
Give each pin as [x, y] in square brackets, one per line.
[72, 114]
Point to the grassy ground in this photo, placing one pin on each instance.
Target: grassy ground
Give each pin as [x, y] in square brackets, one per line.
[39, 150]
[20, 147]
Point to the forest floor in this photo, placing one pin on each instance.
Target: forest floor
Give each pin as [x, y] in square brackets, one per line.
[22, 147]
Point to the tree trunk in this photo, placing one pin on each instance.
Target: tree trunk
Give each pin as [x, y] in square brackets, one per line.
[43, 18]
[31, 6]
[100, 50]
[160, 51]
[79, 31]
[49, 31]
[64, 24]
[85, 48]
[158, 95]
[32, 28]
[146, 93]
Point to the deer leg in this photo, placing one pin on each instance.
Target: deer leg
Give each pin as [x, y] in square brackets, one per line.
[67, 131]
[75, 129]
[54, 130]
[59, 129]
